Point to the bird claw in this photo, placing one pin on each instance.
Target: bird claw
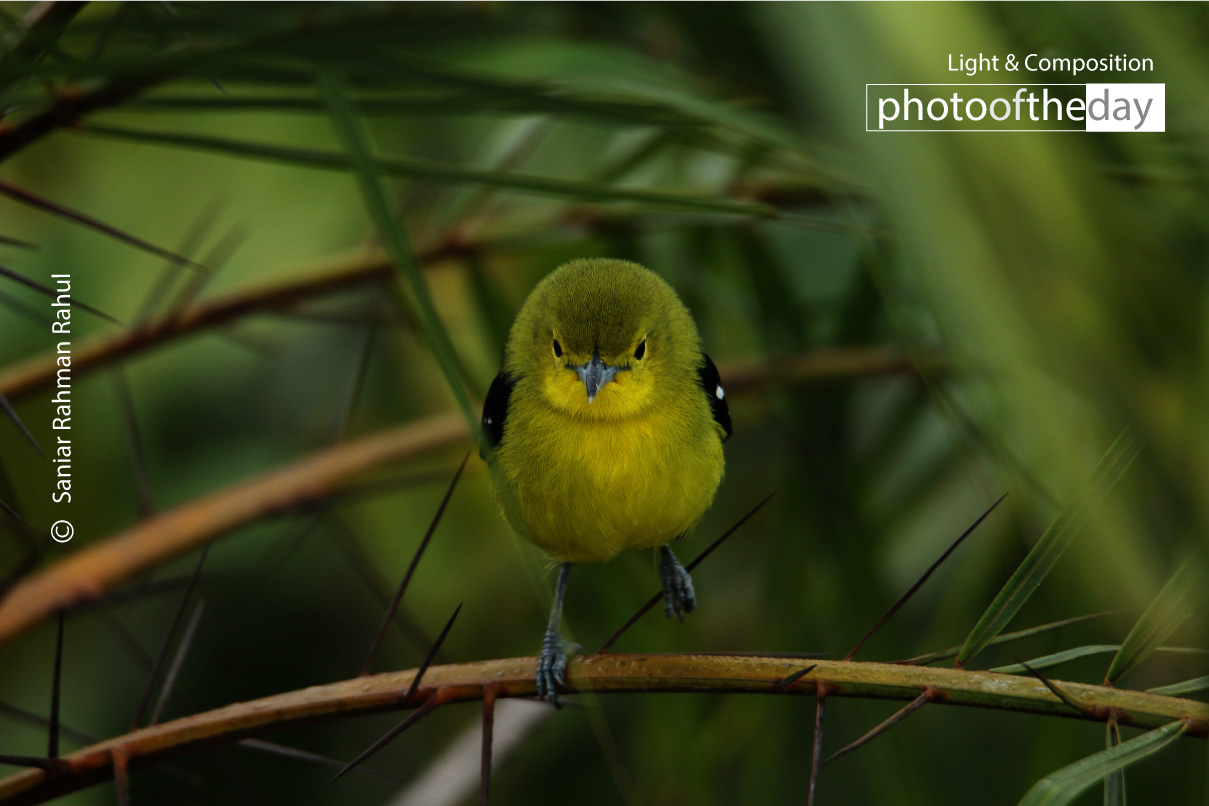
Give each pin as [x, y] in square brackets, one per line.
[552, 667]
[678, 595]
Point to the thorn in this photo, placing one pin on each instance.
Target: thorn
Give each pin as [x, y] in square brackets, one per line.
[415, 716]
[215, 258]
[181, 650]
[488, 737]
[12, 415]
[30, 718]
[415, 681]
[411, 569]
[12, 513]
[286, 751]
[163, 653]
[885, 725]
[32, 199]
[198, 230]
[1053, 687]
[786, 682]
[22, 307]
[363, 566]
[121, 775]
[138, 457]
[25, 281]
[52, 750]
[345, 412]
[654, 600]
[919, 583]
[48, 764]
[820, 703]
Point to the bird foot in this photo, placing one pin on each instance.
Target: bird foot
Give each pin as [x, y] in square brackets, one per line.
[678, 596]
[552, 666]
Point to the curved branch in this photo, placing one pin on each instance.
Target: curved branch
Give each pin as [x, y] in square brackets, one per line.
[90, 572]
[39, 372]
[514, 677]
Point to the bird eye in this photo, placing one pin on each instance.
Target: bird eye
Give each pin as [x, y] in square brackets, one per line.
[558, 349]
[640, 350]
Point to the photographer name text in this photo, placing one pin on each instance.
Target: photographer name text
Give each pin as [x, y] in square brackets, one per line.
[60, 422]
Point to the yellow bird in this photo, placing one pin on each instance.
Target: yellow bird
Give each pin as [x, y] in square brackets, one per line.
[604, 428]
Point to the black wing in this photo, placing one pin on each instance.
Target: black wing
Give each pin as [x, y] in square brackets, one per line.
[711, 384]
[495, 411]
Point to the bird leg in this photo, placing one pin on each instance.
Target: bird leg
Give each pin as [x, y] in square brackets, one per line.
[678, 596]
[553, 661]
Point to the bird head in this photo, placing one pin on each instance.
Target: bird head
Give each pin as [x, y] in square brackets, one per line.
[604, 339]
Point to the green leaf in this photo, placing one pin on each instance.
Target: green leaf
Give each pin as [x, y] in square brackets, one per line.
[1187, 687]
[1114, 782]
[394, 239]
[1049, 548]
[1046, 661]
[1068, 783]
[1057, 658]
[1168, 611]
[1008, 637]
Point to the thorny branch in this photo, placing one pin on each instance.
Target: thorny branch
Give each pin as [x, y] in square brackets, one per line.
[515, 677]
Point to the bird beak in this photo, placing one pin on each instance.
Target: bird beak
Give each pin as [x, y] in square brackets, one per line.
[595, 374]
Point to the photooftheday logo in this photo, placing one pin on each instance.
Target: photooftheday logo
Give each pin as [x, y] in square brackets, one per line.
[1015, 107]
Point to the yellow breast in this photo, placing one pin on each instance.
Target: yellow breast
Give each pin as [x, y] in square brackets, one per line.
[584, 490]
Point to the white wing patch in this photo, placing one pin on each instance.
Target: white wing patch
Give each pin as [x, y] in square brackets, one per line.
[719, 393]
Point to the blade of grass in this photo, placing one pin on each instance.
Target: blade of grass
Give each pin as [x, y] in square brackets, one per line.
[1045, 554]
[1062, 787]
[356, 144]
[39, 30]
[1170, 608]
[566, 189]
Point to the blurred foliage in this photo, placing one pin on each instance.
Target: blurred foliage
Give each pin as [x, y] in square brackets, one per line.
[1061, 278]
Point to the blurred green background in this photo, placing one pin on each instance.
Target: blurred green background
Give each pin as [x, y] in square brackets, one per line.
[1051, 289]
